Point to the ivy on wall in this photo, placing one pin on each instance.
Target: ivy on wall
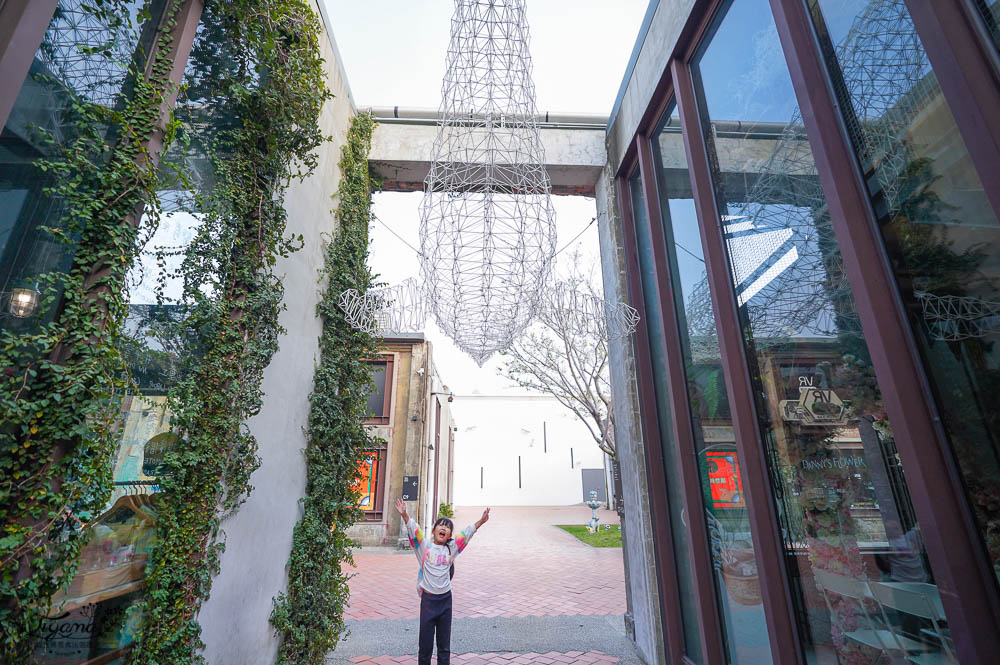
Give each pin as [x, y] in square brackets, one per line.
[62, 378]
[309, 616]
[273, 89]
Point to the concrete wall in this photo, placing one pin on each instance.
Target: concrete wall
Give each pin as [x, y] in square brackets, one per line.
[644, 616]
[401, 154]
[547, 479]
[234, 620]
[657, 44]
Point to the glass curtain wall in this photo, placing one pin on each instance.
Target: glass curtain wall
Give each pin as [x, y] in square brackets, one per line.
[84, 58]
[941, 235]
[857, 569]
[658, 360]
[100, 613]
[737, 584]
[990, 11]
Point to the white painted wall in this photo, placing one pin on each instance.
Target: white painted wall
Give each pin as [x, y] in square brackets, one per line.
[494, 430]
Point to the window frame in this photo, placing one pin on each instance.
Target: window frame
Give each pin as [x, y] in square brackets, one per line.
[389, 392]
[972, 75]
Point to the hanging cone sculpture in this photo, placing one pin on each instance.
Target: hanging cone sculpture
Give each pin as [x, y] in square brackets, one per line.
[487, 224]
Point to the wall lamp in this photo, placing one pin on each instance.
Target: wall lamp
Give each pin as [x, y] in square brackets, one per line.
[22, 302]
[451, 396]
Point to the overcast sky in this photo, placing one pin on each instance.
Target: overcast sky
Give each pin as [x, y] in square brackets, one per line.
[394, 55]
[394, 50]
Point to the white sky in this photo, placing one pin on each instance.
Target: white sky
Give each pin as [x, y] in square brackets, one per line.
[394, 50]
[394, 55]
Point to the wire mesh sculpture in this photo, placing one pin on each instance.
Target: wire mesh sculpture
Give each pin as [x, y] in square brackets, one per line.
[487, 224]
[954, 318]
[400, 308]
[585, 314]
[88, 52]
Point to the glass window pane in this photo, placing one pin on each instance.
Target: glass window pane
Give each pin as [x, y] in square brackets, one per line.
[941, 234]
[68, 73]
[376, 399]
[156, 343]
[736, 582]
[853, 546]
[658, 360]
[990, 11]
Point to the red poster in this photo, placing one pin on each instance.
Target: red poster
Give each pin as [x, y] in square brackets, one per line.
[724, 479]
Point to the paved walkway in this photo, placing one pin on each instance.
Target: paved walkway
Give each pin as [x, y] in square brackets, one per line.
[525, 593]
[511, 658]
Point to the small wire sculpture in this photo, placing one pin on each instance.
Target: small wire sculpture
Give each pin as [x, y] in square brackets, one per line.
[399, 308]
[954, 318]
[487, 224]
[586, 315]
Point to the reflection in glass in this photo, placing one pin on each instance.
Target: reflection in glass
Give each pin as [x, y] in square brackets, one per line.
[85, 58]
[102, 611]
[940, 232]
[856, 562]
[736, 581]
[990, 12]
[376, 398]
[658, 360]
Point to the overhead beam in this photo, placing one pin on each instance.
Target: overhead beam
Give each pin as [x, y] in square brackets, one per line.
[401, 153]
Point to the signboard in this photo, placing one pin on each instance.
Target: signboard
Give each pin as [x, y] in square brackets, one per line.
[410, 484]
[815, 406]
[724, 479]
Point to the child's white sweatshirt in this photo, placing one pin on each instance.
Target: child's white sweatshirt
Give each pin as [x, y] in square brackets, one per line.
[435, 560]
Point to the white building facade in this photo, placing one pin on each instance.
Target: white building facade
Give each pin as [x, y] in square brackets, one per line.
[523, 451]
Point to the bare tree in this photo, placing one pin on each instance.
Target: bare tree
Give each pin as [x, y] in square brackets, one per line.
[565, 353]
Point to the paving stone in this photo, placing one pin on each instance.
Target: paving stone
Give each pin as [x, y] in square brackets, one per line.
[560, 575]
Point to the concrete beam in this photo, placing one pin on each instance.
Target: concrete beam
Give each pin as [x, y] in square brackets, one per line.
[574, 157]
[401, 153]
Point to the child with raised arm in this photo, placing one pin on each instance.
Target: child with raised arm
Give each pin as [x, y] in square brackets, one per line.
[434, 580]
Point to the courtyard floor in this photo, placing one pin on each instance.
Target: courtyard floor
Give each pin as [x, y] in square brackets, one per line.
[525, 593]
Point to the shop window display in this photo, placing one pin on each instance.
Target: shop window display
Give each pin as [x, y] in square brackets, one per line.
[371, 476]
[941, 234]
[858, 573]
[98, 615]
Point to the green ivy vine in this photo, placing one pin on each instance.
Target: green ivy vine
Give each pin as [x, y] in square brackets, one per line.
[309, 616]
[272, 89]
[63, 373]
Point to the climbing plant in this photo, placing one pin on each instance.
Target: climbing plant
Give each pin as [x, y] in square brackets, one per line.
[270, 86]
[309, 616]
[62, 371]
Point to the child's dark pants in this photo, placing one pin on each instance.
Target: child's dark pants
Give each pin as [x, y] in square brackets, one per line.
[435, 614]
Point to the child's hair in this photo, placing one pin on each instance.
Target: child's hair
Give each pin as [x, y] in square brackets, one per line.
[446, 522]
